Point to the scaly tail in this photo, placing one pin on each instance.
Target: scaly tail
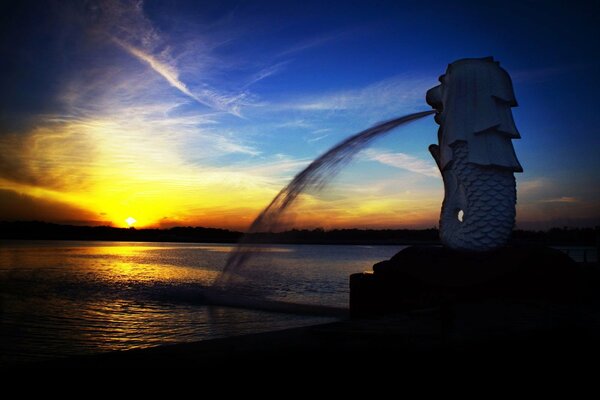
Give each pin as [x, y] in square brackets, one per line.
[485, 195]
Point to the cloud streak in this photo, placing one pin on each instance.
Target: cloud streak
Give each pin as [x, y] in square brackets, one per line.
[265, 73]
[316, 139]
[125, 24]
[164, 70]
[404, 161]
[392, 93]
[564, 199]
[207, 97]
[544, 74]
[312, 43]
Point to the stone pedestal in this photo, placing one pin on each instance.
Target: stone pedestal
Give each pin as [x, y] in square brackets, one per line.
[421, 277]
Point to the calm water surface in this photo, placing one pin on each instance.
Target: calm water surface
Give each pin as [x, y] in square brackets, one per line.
[60, 298]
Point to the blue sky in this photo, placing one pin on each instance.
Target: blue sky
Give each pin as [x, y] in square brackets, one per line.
[194, 112]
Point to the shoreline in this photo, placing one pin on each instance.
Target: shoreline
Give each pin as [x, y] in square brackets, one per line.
[488, 331]
[347, 236]
[358, 243]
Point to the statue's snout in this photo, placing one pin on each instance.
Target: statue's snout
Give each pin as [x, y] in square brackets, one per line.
[434, 99]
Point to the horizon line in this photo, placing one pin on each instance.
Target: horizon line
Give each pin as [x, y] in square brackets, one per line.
[83, 225]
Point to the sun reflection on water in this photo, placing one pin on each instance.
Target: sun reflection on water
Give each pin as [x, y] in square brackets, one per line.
[64, 298]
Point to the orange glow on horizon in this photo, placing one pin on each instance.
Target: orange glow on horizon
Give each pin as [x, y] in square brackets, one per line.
[85, 172]
[88, 166]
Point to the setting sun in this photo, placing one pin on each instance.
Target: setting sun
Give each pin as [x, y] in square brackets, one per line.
[130, 221]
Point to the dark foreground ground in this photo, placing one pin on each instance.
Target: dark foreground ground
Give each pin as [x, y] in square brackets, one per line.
[487, 333]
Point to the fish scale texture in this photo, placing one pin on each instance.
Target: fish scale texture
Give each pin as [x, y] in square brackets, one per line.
[487, 196]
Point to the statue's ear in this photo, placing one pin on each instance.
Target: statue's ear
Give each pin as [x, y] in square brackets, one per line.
[503, 89]
[494, 109]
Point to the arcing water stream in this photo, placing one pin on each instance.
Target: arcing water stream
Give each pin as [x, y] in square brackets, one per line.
[313, 177]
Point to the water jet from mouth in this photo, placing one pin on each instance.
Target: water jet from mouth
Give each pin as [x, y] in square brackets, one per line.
[313, 178]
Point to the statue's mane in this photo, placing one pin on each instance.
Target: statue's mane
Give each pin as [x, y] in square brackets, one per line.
[478, 96]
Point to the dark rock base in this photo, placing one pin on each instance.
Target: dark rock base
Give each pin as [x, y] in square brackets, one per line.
[421, 277]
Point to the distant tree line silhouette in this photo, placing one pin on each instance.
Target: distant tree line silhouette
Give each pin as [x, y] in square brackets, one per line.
[35, 230]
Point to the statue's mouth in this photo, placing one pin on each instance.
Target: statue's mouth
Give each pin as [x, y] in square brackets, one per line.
[438, 106]
[439, 109]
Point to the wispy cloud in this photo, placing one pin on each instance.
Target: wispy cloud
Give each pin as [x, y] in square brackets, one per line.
[564, 199]
[164, 70]
[543, 74]
[533, 187]
[319, 134]
[392, 93]
[295, 123]
[265, 73]
[281, 166]
[544, 203]
[403, 161]
[316, 139]
[543, 191]
[311, 43]
[125, 24]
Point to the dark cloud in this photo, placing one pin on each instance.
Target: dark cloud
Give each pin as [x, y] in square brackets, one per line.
[13, 165]
[47, 159]
[16, 206]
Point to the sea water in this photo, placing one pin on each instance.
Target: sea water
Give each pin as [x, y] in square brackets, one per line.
[63, 298]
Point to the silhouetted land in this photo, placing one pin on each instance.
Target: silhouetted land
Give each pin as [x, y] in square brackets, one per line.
[34, 230]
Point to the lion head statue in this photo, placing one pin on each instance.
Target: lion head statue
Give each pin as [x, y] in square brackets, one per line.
[474, 103]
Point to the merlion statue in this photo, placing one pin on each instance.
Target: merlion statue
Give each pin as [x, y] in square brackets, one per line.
[475, 154]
